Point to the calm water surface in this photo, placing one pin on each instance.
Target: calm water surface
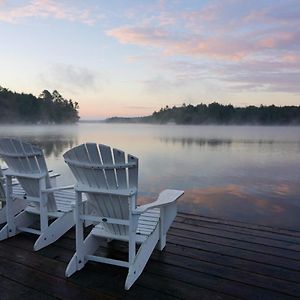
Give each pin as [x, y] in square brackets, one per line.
[246, 173]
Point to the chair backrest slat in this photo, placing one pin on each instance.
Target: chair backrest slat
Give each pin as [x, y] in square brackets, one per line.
[25, 166]
[81, 153]
[110, 173]
[112, 202]
[95, 159]
[7, 148]
[32, 159]
[133, 172]
[119, 158]
[120, 172]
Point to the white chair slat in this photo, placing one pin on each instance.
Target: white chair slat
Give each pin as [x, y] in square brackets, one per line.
[133, 172]
[23, 162]
[31, 155]
[82, 156]
[70, 156]
[121, 175]
[107, 159]
[112, 202]
[150, 216]
[94, 159]
[7, 147]
[119, 157]
[147, 221]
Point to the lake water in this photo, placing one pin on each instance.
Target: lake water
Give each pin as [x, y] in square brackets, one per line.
[245, 173]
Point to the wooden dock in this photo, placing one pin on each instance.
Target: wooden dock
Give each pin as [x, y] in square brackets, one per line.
[205, 258]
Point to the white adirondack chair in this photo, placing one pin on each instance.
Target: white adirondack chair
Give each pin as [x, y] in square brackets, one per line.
[18, 203]
[44, 202]
[111, 185]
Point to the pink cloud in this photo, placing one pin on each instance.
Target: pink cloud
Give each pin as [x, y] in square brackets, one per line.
[219, 47]
[44, 9]
[291, 58]
[280, 12]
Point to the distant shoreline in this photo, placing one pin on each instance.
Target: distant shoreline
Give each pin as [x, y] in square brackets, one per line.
[140, 123]
[218, 114]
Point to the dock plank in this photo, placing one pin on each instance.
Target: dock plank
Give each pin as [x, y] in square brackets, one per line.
[239, 244]
[239, 229]
[242, 235]
[263, 228]
[12, 290]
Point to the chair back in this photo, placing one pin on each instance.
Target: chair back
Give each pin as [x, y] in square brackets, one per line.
[23, 161]
[108, 179]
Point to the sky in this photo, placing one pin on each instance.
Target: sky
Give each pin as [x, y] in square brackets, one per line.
[130, 58]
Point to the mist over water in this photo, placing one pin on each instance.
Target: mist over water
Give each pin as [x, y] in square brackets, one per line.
[246, 173]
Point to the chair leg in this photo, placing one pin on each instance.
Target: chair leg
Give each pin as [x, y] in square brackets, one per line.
[162, 235]
[162, 242]
[53, 232]
[4, 233]
[2, 215]
[167, 216]
[141, 259]
[78, 261]
[23, 219]
[18, 206]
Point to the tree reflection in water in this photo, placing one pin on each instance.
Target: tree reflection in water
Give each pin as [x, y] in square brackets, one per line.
[55, 146]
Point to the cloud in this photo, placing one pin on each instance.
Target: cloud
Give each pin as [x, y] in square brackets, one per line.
[228, 47]
[266, 81]
[46, 9]
[185, 44]
[283, 12]
[72, 78]
[281, 75]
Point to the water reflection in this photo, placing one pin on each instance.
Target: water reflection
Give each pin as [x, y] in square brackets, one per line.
[232, 202]
[55, 147]
[215, 142]
[235, 202]
[194, 141]
[54, 140]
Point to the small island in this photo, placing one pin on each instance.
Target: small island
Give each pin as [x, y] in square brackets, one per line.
[215, 113]
[27, 109]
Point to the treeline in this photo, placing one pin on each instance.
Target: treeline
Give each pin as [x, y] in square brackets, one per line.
[26, 108]
[216, 113]
[147, 119]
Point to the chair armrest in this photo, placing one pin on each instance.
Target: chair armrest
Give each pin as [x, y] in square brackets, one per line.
[60, 188]
[165, 197]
